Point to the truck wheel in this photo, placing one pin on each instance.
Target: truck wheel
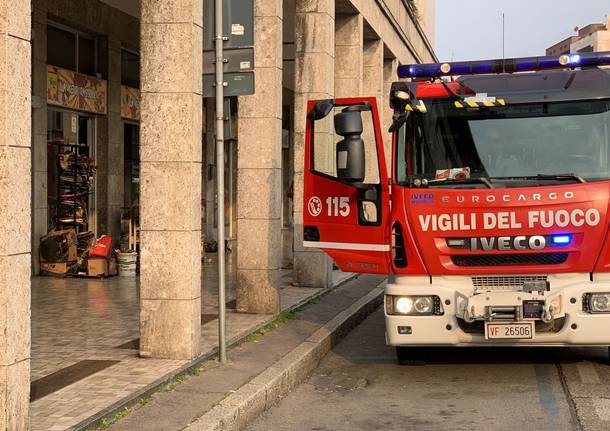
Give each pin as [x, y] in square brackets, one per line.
[410, 355]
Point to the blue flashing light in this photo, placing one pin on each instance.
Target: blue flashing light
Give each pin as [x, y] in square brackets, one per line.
[561, 239]
[574, 58]
[509, 65]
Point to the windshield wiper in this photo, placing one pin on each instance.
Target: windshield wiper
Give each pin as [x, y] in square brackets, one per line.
[471, 180]
[559, 177]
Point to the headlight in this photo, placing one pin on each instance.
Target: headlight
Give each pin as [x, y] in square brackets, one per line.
[413, 305]
[403, 305]
[423, 305]
[597, 302]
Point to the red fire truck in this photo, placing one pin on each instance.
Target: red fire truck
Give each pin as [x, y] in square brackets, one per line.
[492, 224]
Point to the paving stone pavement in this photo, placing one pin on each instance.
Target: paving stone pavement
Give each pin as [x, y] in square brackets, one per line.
[175, 409]
[77, 319]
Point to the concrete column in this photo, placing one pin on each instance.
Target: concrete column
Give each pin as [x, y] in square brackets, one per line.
[209, 155]
[170, 154]
[116, 152]
[390, 66]
[100, 217]
[314, 32]
[373, 68]
[349, 38]
[373, 86]
[259, 169]
[15, 212]
[39, 132]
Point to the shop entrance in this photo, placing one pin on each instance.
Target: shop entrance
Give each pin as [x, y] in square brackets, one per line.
[71, 180]
[131, 139]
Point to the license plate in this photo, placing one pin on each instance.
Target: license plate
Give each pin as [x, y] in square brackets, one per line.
[503, 331]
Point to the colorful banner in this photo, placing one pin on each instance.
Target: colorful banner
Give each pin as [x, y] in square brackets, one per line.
[130, 103]
[72, 90]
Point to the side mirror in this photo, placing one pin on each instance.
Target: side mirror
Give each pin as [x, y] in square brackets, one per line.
[350, 150]
[321, 110]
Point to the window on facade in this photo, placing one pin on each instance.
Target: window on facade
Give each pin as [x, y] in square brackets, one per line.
[86, 55]
[130, 69]
[61, 48]
[71, 50]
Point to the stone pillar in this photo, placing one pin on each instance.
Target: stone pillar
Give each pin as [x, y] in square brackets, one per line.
[15, 212]
[209, 155]
[349, 33]
[373, 86]
[314, 32]
[373, 69]
[116, 152]
[39, 132]
[99, 219]
[390, 66]
[259, 169]
[170, 154]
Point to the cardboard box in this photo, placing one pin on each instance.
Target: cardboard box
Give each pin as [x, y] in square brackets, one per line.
[68, 237]
[55, 268]
[97, 267]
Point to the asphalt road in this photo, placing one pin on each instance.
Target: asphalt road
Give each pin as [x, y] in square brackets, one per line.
[359, 386]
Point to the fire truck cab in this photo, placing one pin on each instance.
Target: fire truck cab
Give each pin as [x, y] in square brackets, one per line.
[492, 224]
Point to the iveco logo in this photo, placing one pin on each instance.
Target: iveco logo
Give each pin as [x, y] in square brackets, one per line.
[536, 242]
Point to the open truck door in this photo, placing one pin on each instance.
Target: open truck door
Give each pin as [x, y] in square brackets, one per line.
[346, 193]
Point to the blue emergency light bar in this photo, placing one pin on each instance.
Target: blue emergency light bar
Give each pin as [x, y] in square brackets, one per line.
[508, 65]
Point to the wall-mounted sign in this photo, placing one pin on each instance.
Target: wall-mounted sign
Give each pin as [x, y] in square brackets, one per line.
[73, 90]
[130, 103]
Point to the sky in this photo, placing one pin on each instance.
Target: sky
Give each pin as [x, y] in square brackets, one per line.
[472, 29]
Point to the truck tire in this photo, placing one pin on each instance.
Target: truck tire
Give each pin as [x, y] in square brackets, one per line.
[410, 355]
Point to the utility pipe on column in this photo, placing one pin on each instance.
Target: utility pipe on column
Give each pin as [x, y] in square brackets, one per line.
[220, 179]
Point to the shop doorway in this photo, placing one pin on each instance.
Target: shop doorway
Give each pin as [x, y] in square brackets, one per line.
[131, 139]
[71, 179]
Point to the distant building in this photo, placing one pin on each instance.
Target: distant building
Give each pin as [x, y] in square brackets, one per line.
[593, 37]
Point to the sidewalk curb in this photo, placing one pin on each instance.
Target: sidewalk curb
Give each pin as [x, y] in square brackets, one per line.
[92, 422]
[244, 405]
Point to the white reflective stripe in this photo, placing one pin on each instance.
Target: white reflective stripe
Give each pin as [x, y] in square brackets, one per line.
[347, 246]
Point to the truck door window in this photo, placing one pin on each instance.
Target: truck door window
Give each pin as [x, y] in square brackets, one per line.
[325, 146]
[324, 161]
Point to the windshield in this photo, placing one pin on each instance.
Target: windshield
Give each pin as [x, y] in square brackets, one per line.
[510, 141]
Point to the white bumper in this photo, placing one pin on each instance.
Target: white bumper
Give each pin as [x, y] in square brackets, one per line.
[574, 326]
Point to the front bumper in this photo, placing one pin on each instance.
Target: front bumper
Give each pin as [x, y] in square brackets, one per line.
[571, 325]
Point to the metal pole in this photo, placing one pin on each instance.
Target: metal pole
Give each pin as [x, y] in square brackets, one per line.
[503, 33]
[220, 180]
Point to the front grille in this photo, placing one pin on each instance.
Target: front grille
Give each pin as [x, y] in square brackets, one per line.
[504, 281]
[509, 259]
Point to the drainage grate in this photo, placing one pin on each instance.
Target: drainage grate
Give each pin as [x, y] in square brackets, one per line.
[510, 259]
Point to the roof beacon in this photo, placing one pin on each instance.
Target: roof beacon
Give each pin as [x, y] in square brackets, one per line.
[509, 65]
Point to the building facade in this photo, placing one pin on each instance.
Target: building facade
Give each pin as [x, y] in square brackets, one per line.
[593, 37]
[115, 87]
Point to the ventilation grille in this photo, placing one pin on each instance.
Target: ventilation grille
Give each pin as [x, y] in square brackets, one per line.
[510, 259]
[399, 254]
[501, 281]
